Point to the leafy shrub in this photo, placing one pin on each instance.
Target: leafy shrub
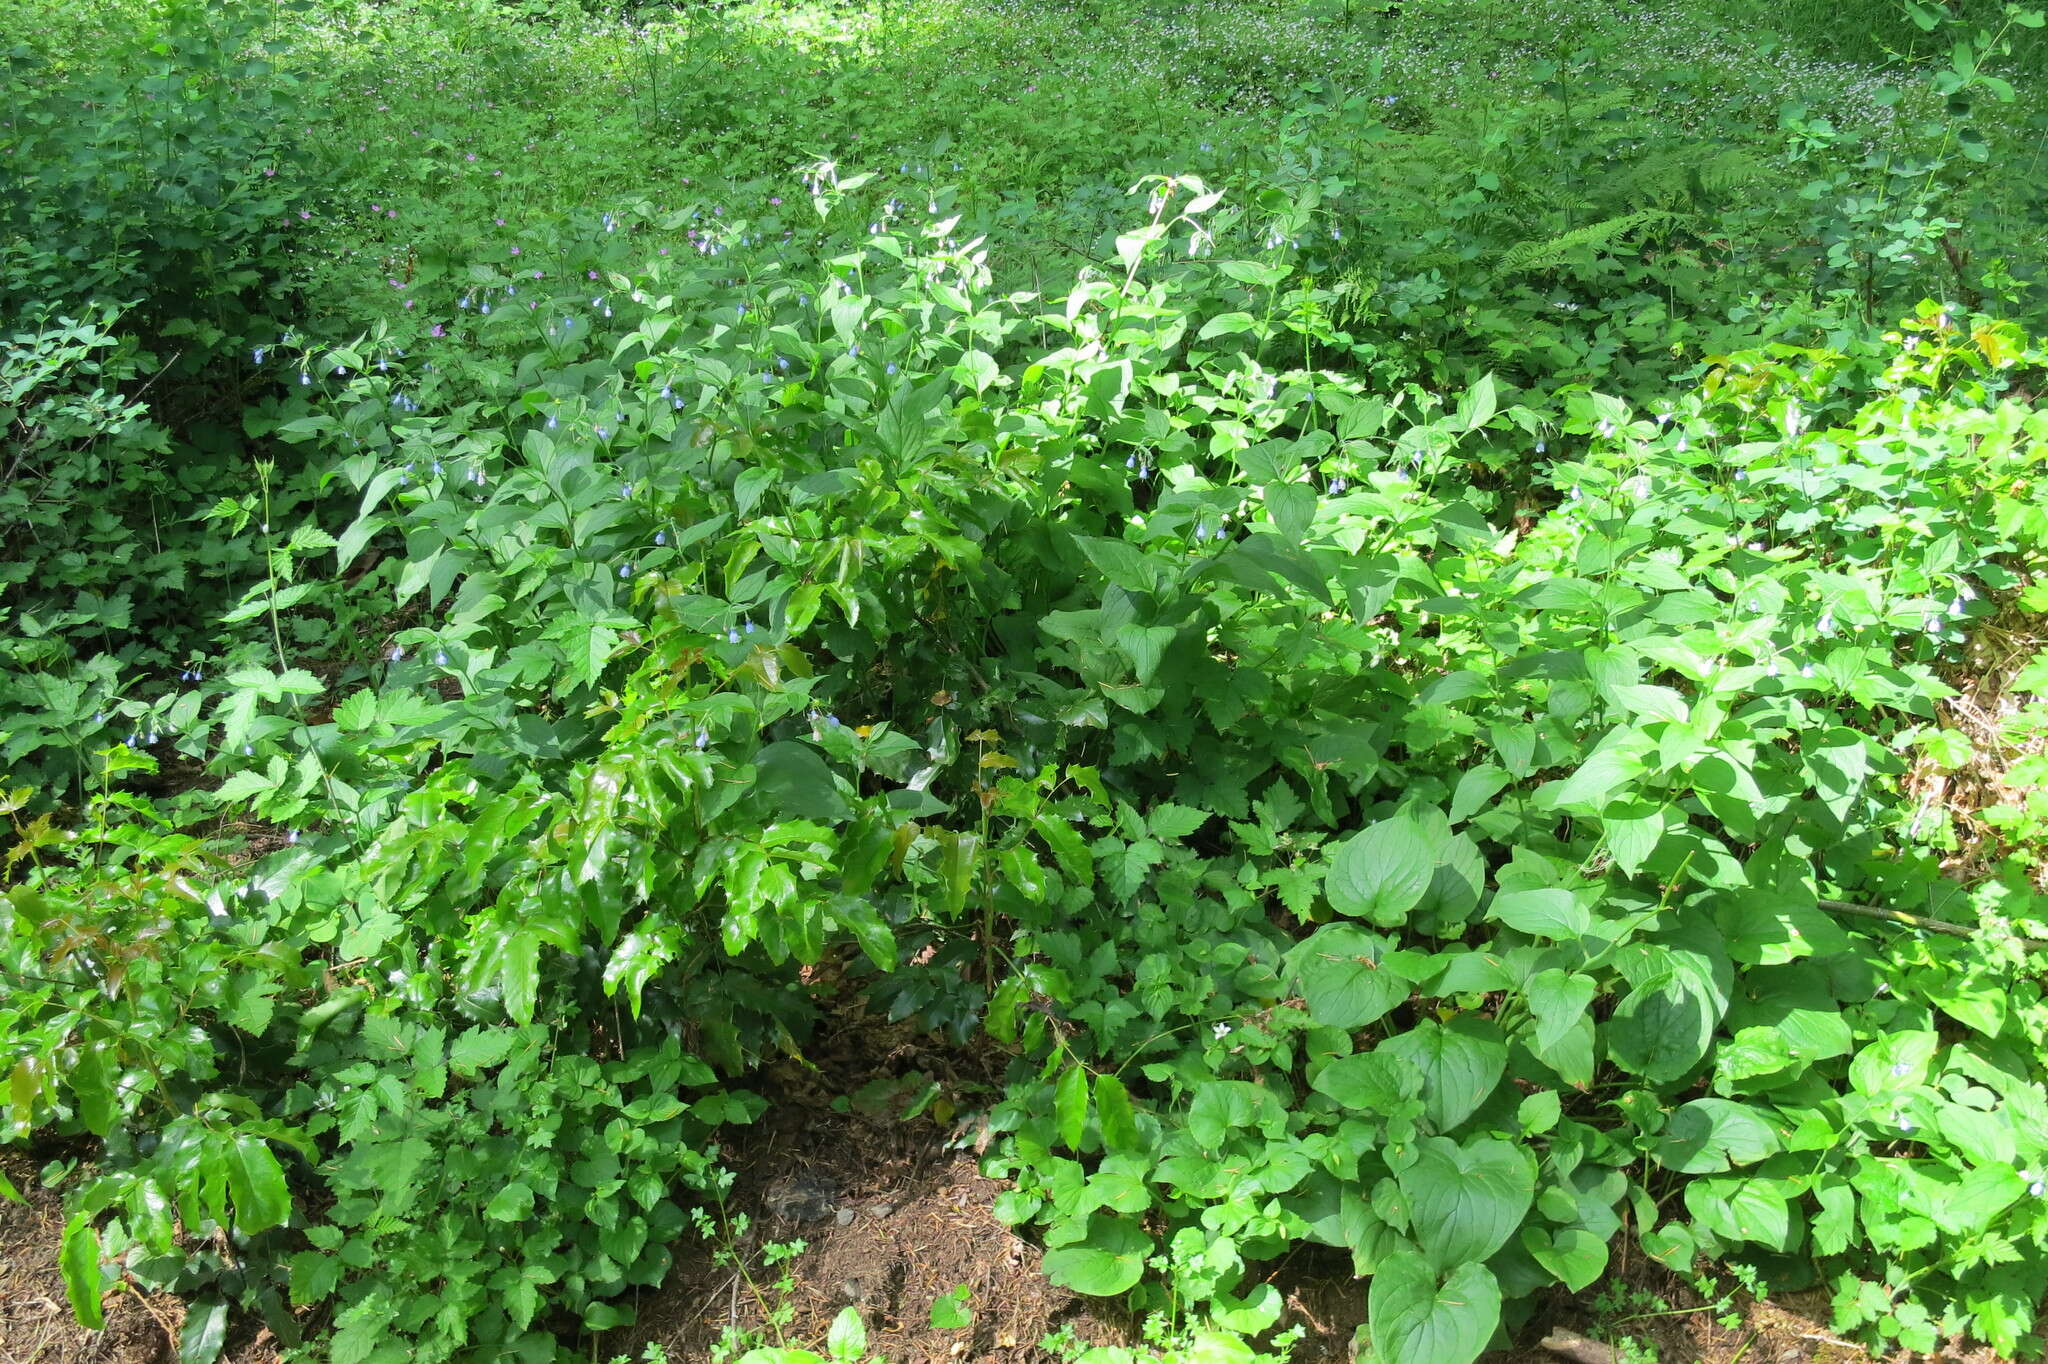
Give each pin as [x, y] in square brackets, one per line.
[175, 198]
[1447, 821]
[1279, 962]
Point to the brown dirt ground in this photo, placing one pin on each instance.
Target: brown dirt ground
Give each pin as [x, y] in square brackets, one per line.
[36, 1325]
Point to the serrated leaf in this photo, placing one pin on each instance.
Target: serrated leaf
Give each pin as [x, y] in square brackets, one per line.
[1070, 1106]
[314, 1275]
[1170, 823]
[79, 1258]
[479, 1049]
[1114, 1115]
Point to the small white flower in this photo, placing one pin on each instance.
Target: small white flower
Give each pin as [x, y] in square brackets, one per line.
[1222, 1030]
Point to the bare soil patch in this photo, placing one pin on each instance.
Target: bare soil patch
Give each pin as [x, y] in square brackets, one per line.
[36, 1322]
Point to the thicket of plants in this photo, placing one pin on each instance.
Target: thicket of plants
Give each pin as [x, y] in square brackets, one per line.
[1383, 638]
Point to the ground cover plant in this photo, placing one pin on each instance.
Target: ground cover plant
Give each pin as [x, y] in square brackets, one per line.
[1369, 598]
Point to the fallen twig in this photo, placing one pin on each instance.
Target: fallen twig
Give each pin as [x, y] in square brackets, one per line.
[1899, 916]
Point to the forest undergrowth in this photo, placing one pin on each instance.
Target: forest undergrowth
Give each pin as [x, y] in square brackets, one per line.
[1413, 627]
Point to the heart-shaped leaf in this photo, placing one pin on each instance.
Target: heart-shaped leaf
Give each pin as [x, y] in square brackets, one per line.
[1342, 980]
[1415, 1318]
[1459, 1066]
[1382, 873]
[1708, 1136]
[1467, 1200]
[1107, 1262]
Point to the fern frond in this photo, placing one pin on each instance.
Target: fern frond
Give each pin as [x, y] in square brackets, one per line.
[1527, 257]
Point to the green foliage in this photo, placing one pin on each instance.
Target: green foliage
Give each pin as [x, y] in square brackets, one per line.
[1388, 693]
[176, 197]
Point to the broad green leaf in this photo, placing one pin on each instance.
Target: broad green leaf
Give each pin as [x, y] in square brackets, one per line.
[480, 1049]
[1744, 1209]
[1070, 1106]
[1467, 1200]
[205, 1331]
[1894, 1063]
[1341, 978]
[1369, 1082]
[1109, 1260]
[1382, 873]
[1539, 1112]
[1575, 1256]
[797, 783]
[1477, 404]
[1226, 324]
[1608, 773]
[1708, 1136]
[521, 976]
[977, 370]
[1672, 1245]
[1459, 1066]
[1661, 1031]
[1416, 1319]
[1292, 507]
[959, 857]
[848, 1338]
[1549, 913]
[512, 1203]
[1113, 1114]
[1475, 788]
[257, 1185]
[1836, 1223]
[1557, 1001]
[79, 1258]
[1222, 1108]
[1983, 1138]
[1143, 646]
